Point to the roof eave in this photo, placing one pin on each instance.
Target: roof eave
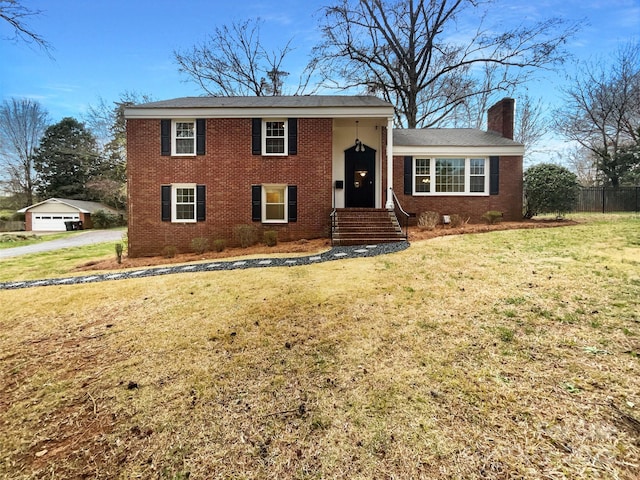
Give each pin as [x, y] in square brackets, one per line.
[466, 150]
[259, 112]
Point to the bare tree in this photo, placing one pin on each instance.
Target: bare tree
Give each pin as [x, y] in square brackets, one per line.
[107, 123]
[106, 119]
[233, 62]
[22, 125]
[404, 51]
[531, 125]
[16, 15]
[602, 110]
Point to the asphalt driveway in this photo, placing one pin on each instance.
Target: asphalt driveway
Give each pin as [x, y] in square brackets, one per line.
[86, 237]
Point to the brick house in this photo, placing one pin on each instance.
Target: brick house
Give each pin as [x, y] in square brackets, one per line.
[201, 166]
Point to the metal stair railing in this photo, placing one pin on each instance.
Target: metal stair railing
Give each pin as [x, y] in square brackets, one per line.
[398, 208]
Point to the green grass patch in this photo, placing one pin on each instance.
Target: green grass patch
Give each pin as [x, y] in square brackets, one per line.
[56, 263]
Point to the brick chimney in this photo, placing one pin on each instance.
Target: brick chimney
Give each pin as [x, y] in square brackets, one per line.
[501, 116]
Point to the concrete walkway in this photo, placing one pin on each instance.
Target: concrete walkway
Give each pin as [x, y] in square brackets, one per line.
[86, 237]
[336, 253]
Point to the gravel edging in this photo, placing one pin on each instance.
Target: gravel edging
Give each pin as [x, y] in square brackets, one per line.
[336, 253]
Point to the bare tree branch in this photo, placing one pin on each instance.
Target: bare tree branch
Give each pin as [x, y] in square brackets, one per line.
[234, 62]
[16, 15]
[402, 51]
[602, 110]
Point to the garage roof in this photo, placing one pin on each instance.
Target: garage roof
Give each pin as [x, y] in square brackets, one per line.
[83, 206]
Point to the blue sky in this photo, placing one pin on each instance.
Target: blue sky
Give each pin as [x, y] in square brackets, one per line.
[103, 48]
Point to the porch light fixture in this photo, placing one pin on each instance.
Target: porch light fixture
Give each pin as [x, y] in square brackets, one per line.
[359, 144]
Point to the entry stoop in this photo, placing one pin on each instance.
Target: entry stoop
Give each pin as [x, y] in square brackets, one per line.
[365, 226]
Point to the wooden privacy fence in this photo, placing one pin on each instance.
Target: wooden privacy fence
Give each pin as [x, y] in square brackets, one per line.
[11, 226]
[608, 199]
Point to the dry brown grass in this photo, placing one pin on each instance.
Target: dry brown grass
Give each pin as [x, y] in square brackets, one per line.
[503, 355]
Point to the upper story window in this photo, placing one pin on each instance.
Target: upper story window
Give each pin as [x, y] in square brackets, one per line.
[274, 136]
[274, 139]
[184, 137]
[450, 176]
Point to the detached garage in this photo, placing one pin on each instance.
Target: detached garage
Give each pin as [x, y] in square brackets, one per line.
[51, 215]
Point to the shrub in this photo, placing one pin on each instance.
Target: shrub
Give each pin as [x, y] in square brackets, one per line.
[200, 245]
[245, 235]
[492, 217]
[102, 219]
[119, 252]
[549, 188]
[169, 251]
[428, 220]
[456, 220]
[271, 238]
[219, 244]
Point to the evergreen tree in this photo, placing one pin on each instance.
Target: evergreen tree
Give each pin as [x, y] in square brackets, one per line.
[66, 160]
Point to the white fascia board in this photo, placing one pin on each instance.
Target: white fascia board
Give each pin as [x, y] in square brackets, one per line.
[299, 112]
[52, 201]
[465, 151]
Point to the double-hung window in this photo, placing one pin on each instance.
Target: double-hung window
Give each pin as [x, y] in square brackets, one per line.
[184, 202]
[274, 140]
[274, 203]
[423, 175]
[450, 176]
[477, 176]
[184, 137]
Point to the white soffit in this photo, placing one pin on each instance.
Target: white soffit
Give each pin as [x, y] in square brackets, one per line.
[453, 151]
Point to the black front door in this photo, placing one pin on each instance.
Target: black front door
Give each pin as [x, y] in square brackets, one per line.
[360, 177]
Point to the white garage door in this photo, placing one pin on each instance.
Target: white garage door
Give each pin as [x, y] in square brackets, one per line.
[52, 222]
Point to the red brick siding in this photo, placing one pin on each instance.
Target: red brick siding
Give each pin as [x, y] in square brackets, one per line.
[228, 170]
[500, 117]
[509, 200]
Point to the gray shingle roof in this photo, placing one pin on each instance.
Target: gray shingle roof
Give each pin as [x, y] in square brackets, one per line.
[453, 137]
[302, 101]
[82, 205]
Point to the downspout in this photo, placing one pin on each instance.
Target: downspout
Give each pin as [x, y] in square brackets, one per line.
[389, 203]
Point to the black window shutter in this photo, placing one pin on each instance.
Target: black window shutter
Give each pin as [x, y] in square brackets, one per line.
[408, 175]
[201, 202]
[256, 203]
[494, 175]
[292, 200]
[201, 135]
[166, 203]
[293, 136]
[165, 137]
[256, 136]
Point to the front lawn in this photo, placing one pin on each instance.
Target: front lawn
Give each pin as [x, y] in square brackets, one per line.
[511, 354]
